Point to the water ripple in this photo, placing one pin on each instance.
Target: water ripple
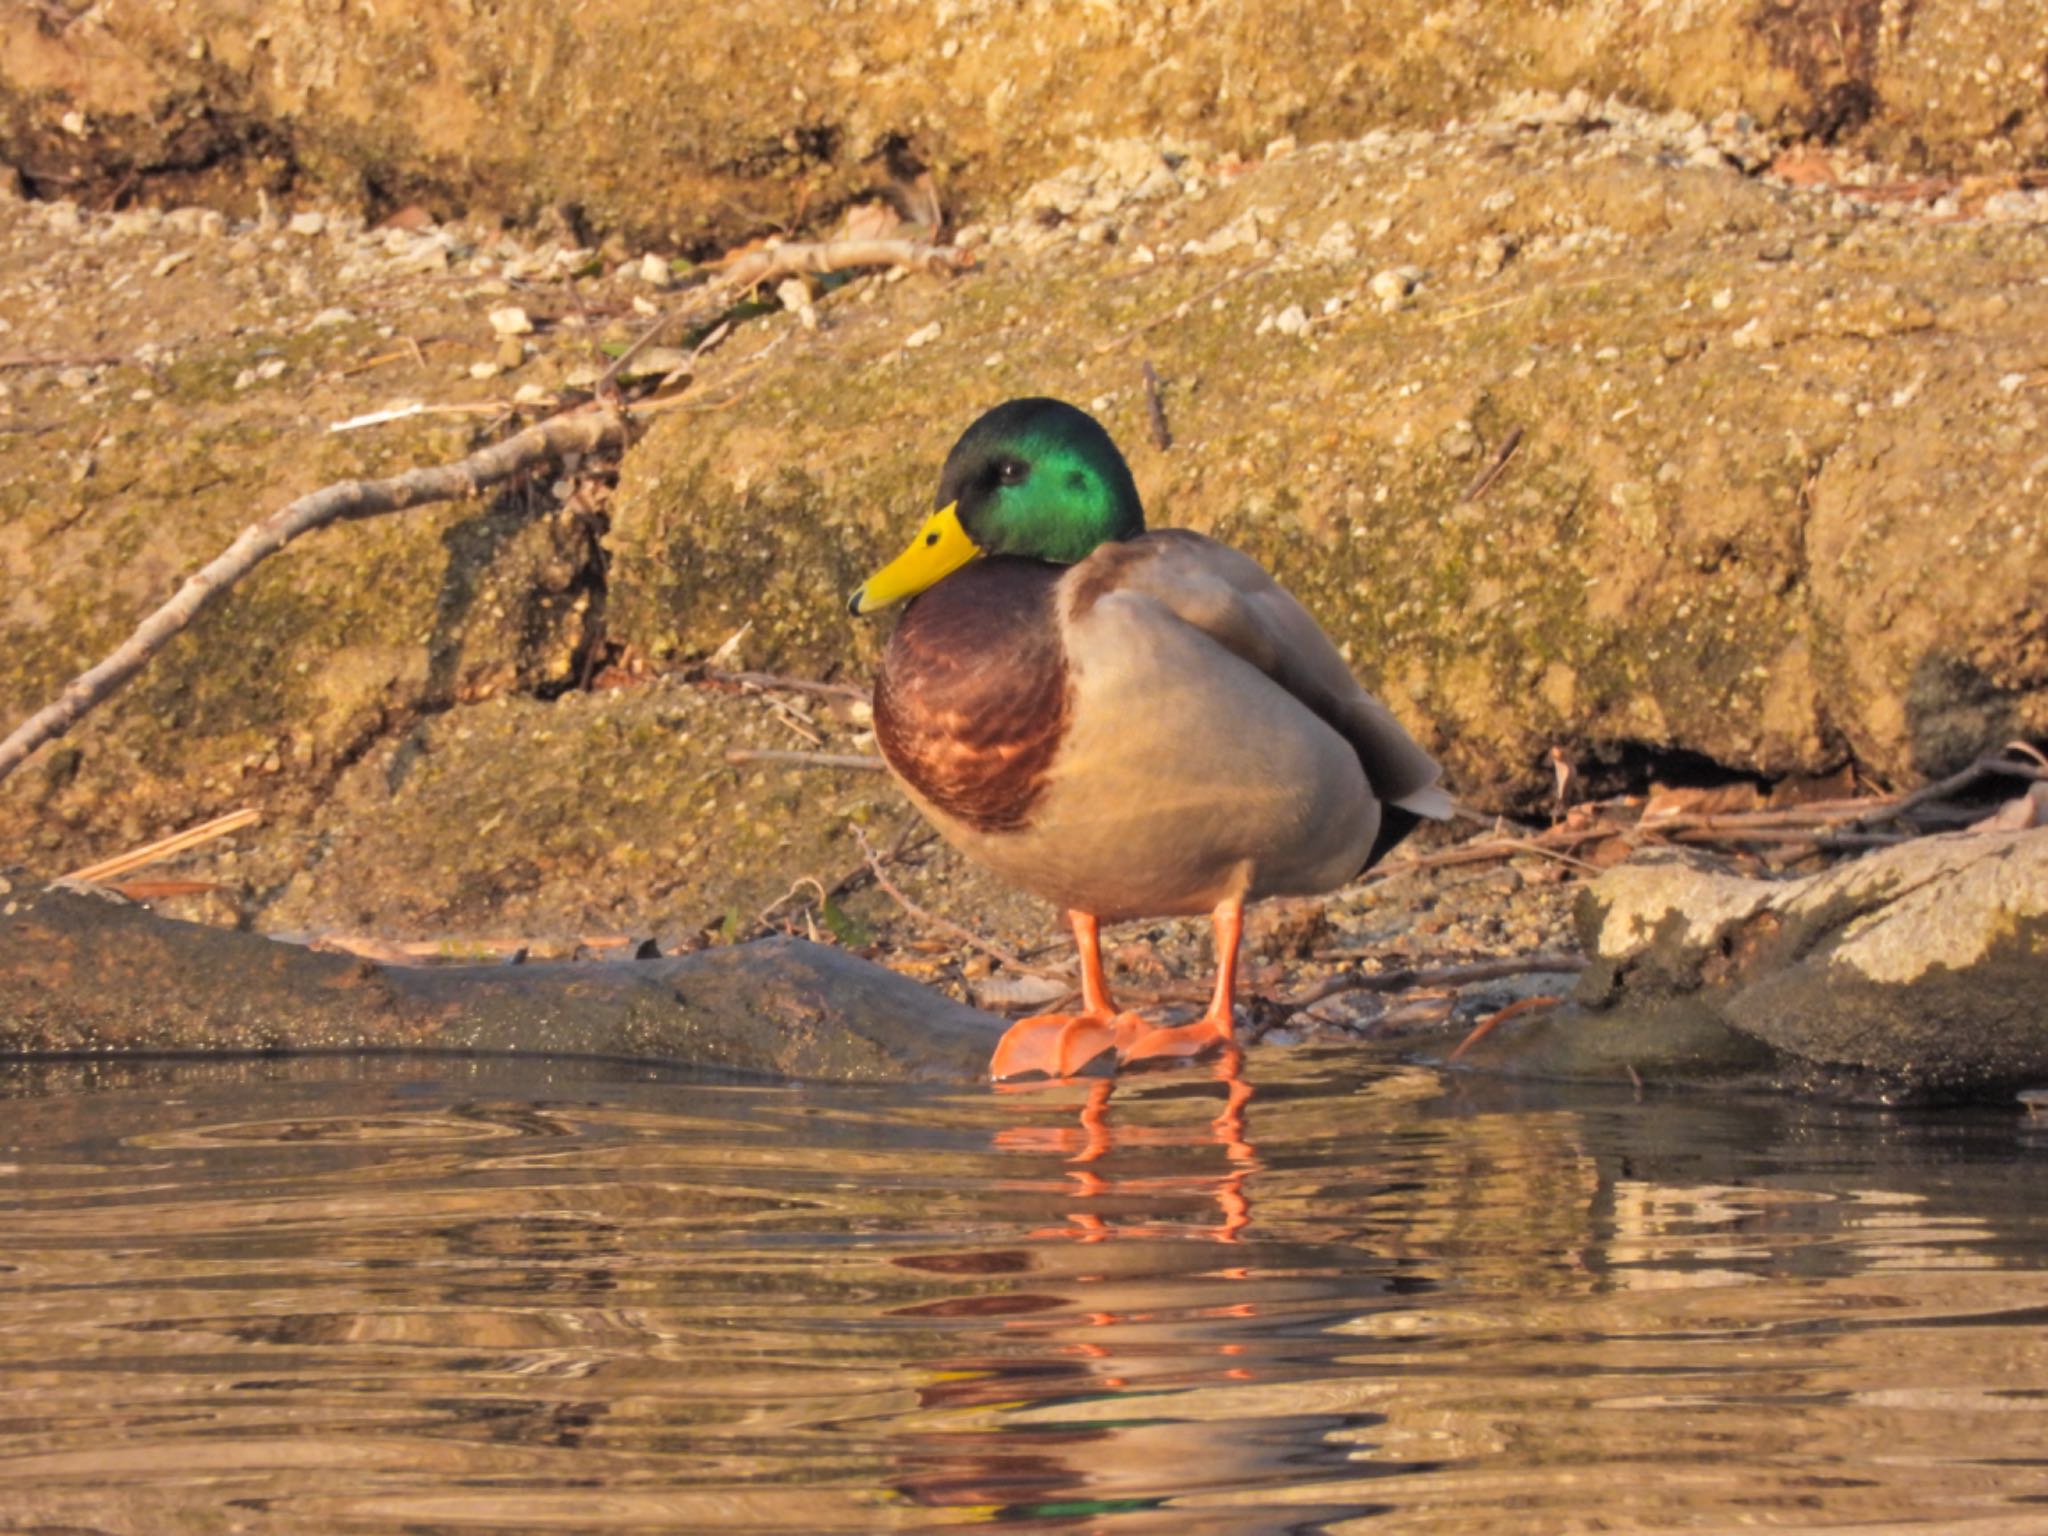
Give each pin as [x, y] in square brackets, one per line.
[1324, 1293]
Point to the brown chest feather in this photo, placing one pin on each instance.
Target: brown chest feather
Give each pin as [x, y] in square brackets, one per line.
[972, 701]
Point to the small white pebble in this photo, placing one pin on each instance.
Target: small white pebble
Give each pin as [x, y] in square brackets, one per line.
[2012, 383]
[655, 271]
[923, 335]
[311, 222]
[794, 294]
[511, 321]
[337, 315]
[1392, 287]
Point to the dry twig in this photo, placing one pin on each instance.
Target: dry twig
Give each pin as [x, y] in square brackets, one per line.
[787, 684]
[919, 914]
[778, 259]
[860, 760]
[165, 847]
[1999, 764]
[1494, 1020]
[581, 432]
[1483, 482]
[1125, 338]
[1413, 980]
[1155, 408]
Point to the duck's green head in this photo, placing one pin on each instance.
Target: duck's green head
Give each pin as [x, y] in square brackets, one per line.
[1038, 478]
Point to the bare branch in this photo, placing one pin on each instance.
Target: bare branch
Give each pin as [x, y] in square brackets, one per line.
[805, 759]
[787, 258]
[919, 914]
[1990, 766]
[1410, 979]
[582, 432]
[789, 684]
[165, 847]
[1483, 481]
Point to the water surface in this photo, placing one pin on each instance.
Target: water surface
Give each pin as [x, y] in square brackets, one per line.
[424, 1296]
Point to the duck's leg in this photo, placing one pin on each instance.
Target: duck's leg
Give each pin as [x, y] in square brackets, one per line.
[1060, 1044]
[1214, 1028]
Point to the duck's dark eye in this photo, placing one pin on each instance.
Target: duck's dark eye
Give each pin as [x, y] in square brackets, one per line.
[1012, 471]
[930, 539]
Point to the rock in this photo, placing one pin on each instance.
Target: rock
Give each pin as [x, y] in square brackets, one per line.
[511, 320]
[1916, 972]
[781, 1008]
[1392, 287]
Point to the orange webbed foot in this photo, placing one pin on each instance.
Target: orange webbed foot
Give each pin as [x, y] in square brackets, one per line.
[1178, 1042]
[1057, 1044]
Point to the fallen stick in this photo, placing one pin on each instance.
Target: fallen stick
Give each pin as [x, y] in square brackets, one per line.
[789, 684]
[1991, 765]
[931, 919]
[1126, 337]
[164, 847]
[861, 874]
[860, 760]
[1483, 481]
[55, 360]
[1155, 408]
[789, 258]
[1411, 980]
[1493, 1021]
[580, 432]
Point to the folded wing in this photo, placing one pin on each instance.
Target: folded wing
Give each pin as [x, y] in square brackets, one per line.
[1229, 597]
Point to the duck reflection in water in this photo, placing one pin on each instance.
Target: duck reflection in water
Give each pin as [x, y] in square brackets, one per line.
[1126, 1180]
[1095, 1134]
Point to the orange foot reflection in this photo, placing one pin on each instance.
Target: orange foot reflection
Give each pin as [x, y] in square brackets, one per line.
[1087, 1141]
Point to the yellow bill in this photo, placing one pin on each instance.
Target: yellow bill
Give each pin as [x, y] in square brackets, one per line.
[941, 547]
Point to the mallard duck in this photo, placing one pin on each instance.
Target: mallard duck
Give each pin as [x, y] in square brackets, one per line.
[1127, 723]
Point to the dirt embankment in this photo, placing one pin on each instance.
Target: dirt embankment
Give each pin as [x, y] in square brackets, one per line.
[693, 125]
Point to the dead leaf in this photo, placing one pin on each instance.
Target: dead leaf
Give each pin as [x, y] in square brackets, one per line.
[921, 205]
[868, 221]
[2018, 813]
[1805, 166]
[1718, 800]
[1606, 853]
[1839, 785]
[411, 216]
[157, 890]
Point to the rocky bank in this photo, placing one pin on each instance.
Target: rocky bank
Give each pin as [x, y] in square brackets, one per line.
[1636, 440]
